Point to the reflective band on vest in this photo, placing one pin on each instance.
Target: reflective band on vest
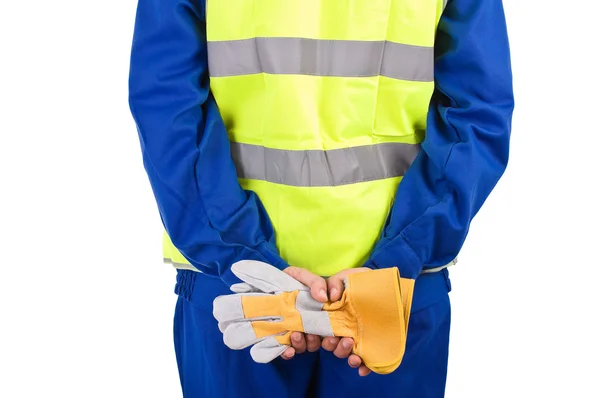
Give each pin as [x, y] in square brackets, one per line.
[325, 104]
[294, 56]
[316, 168]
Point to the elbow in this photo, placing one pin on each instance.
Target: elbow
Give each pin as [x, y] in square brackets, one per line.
[500, 146]
[140, 83]
[489, 125]
[134, 90]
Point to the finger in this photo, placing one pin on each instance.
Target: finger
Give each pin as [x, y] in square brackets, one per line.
[313, 342]
[288, 353]
[363, 371]
[344, 348]
[354, 361]
[335, 285]
[264, 277]
[298, 342]
[317, 285]
[330, 343]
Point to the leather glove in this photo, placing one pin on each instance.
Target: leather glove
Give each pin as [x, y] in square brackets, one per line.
[374, 310]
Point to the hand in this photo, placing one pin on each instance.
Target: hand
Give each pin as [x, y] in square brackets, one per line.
[342, 348]
[318, 290]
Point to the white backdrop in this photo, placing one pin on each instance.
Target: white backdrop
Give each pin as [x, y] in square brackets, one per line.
[525, 297]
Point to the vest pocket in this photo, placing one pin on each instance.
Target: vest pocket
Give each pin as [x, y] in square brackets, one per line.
[401, 110]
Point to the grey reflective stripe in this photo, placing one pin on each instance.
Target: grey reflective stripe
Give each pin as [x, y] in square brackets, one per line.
[347, 58]
[317, 168]
[445, 3]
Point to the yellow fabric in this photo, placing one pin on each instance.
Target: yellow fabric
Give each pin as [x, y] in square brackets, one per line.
[322, 229]
[282, 305]
[402, 21]
[326, 238]
[374, 310]
[170, 253]
[380, 301]
[321, 112]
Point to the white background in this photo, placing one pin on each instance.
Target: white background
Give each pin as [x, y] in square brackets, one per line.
[86, 304]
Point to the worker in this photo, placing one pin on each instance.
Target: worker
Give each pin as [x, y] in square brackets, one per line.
[324, 138]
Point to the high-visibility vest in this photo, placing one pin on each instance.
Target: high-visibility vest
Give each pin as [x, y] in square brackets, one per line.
[325, 104]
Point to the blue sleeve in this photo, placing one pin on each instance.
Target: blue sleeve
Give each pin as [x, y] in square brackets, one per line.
[465, 151]
[185, 147]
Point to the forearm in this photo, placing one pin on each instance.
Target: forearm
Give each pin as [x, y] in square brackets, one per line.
[465, 151]
[211, 220]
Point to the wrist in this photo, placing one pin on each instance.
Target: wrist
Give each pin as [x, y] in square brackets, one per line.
[396, 253]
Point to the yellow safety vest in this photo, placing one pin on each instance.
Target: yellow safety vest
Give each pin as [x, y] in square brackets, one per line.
[325, 103]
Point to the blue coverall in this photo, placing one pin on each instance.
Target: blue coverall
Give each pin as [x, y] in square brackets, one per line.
[183, 140]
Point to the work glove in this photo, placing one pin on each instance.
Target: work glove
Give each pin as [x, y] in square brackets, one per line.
[270, 305]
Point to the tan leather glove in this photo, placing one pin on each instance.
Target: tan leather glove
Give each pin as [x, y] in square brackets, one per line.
[374, 311]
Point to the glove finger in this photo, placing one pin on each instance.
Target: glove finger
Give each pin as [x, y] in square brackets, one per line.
[243, 288]
[228, 308]
[240, 335]
[267, 350]
[265, 277]
[225, 324]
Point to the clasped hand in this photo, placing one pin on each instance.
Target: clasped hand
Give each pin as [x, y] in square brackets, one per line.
[322, 290]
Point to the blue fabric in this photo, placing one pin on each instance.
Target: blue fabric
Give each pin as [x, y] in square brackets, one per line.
[465, 151]
[214, 222]
[208, 368]
[186, 153]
